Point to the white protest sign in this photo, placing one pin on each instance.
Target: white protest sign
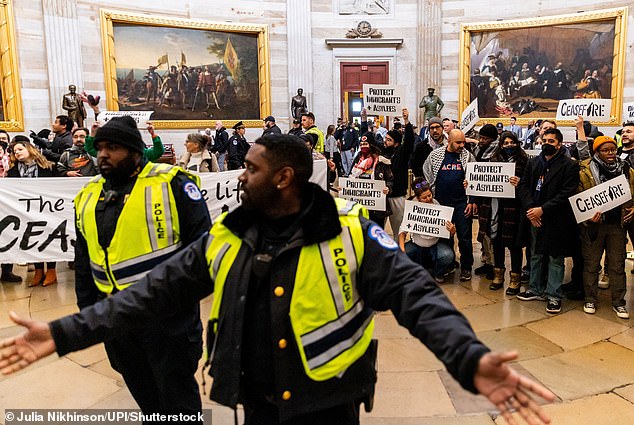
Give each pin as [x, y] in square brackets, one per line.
[426, 219]
[37, 221]
[532, 152]
[490, 179]
[600, 198]
[366, 192]
[141, 117]
[469, 116]
[597, 110]
[628, 112]
[383, 99]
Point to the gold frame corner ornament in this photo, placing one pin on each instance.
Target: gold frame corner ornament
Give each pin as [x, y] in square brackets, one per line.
[617, 15]
[10, 82]
[108, 17]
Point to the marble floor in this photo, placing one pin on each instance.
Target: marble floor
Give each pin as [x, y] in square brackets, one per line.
[585, 360]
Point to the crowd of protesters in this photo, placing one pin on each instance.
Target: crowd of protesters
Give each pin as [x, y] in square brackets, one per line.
[537, 227]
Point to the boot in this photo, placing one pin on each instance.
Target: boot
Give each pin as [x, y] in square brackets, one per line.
[498, 279]
[38, 277]
[51, 277]
[514, 284]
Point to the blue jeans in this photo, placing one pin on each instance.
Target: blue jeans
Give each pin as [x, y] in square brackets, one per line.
[464, 234]
[221, 161]
[346, 161]
[551, 288]
[439, 257]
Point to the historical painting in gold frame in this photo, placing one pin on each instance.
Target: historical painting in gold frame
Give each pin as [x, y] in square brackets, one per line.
[523, 67]
[11, 114]
[190, 73]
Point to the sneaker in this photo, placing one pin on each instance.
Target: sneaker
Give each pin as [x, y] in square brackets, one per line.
[529, 296]
[465, 275]
[553, 306]
[451, 271]
[439, 279]
[483, 269]
[525, 277]
[604, 282]
[621, 312]
[589, 308]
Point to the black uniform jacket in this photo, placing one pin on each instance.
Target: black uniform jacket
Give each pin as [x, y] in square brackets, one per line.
[387, 280]
[193, 217]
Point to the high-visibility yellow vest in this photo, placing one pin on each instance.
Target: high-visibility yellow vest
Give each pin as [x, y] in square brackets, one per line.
[147, 230]
[331, 324]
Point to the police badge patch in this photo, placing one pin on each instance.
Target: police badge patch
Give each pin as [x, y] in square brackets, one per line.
[192, 191]
[375, 232]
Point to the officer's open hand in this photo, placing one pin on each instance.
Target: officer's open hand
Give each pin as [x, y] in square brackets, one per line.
[19, 351]
[509, 391]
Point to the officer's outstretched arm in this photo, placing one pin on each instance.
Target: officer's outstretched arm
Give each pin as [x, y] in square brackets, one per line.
[169, 288]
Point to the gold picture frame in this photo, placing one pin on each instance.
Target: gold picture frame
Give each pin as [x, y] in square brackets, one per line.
[11, 115]
[570, 45]
[236, 85]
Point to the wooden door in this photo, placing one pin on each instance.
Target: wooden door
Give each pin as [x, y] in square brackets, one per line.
[353, 76]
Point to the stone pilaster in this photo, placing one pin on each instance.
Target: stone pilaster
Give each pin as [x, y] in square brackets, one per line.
[429, 48]
[63, 50]
[300, 50]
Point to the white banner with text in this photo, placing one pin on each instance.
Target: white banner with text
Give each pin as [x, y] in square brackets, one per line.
[37, 217]
[490, 179]
[426, 219]
[596, 110]
[600, 198]
[366, 192]
[383, 99]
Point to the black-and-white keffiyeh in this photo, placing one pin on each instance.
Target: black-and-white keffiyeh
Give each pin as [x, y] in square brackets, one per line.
[28, 170]
[602, 171]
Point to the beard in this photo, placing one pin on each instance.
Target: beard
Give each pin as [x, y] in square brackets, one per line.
[122, 171]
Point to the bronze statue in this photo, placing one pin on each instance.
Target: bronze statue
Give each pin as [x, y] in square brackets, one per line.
[73, 105]
[432, 104]
[299, 105]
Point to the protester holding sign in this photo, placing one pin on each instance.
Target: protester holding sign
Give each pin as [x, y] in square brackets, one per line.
[371, 164]
[28, 162]
[429, 251]
[605, 230]
[151, 154]
[502, 220]
[549, 180]
[445, 169]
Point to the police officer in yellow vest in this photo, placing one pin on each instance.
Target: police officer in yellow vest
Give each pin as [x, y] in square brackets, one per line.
[131, 217]
[296, 278]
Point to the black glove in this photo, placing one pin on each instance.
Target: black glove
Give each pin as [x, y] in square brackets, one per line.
[42, 143]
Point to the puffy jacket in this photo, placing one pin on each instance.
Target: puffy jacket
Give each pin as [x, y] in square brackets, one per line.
[386, 279]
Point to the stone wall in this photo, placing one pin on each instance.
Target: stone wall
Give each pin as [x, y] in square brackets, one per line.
[428, 56]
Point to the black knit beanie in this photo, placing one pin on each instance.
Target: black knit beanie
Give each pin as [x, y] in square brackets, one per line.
[122, 131]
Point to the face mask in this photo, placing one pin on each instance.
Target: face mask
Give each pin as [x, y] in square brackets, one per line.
[510, 151]
[549, 150]
[365, 150]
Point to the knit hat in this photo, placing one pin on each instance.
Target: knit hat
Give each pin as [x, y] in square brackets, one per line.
[396, 136]
[122, 131]
[434, 120]
[489, 130]
[601, 140]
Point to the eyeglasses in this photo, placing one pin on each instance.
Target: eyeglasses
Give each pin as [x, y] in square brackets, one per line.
[435, 127]
[608, 151]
